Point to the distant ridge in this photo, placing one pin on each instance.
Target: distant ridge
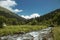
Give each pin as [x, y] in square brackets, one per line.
[50, 18]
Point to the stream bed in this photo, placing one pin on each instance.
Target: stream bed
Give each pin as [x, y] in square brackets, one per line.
[44, 34]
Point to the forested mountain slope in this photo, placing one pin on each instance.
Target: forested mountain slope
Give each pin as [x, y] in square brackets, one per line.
[49, 18]
[10, 16]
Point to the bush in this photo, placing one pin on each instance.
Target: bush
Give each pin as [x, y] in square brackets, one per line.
[1, 24]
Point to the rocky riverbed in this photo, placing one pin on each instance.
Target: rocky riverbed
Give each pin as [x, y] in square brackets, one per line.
[44, 34]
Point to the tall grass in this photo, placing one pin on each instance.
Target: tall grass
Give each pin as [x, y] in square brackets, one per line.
[56, 33]
[10, 30]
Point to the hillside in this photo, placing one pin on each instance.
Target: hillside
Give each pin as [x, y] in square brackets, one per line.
[10, 16]
[49, 18]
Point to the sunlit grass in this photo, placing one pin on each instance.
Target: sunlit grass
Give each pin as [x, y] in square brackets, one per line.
[56, 33]
[10, 30]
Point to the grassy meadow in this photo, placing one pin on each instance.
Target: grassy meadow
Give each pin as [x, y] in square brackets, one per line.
[10, 30]
[56, 33]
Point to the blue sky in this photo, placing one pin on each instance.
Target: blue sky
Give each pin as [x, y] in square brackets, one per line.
[30, 8]
[37, 6]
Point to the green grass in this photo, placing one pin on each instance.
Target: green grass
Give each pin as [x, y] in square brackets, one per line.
[56, 33]
[10, 30]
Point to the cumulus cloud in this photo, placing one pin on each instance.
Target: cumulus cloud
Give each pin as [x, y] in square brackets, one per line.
[9, 4]
[31, 16]
[17, 10]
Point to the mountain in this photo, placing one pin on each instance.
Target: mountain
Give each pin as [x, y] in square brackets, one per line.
[10, 16]
[50, 18]
[47, 19]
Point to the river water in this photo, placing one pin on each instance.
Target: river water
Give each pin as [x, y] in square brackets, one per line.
[35, 35]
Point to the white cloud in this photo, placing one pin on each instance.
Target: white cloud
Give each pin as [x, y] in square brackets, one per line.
[31, 16]
[17, 10]
[9, 4]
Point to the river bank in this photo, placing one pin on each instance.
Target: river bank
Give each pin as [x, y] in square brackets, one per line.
[35, 35]
[19, 29]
